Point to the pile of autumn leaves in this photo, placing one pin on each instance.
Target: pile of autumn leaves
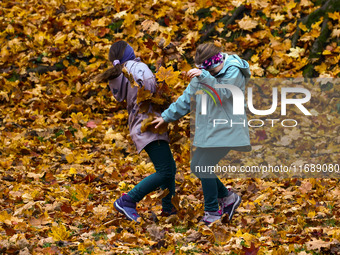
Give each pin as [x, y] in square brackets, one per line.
[66, 154]
[70, 211]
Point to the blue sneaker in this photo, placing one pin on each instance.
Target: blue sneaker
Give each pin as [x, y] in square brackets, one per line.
[229, 204]
[126, 206]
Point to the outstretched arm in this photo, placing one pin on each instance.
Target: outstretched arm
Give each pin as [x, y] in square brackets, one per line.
[179, 108]
[182, 105]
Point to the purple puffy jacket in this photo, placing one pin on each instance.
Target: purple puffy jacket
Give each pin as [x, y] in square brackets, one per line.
[122, 90]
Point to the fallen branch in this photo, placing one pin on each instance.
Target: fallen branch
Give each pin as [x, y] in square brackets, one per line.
[43, 69]
[308, 20]
[316, 49]
[227, 19]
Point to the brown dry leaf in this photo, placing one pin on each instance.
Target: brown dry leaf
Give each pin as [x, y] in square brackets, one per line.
[42, 220]
[316, 244]
[160, 194]
[247, 23]
[143, 95]
[150, 26]
[175, 201]
[73, 71]
[252, 250]
[129, 76]
[193, 236]
[156, 232]
[129, 238]
[306, 187]
[207, 232]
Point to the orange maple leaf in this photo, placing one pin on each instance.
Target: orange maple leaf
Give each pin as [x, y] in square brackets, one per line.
[168, 75]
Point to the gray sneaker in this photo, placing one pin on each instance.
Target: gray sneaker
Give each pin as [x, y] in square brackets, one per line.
[229, 204]
[210, 217]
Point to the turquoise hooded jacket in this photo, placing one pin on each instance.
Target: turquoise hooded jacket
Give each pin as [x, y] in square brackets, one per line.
[219, 126]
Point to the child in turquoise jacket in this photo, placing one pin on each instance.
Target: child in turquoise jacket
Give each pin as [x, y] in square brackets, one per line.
[212, 141]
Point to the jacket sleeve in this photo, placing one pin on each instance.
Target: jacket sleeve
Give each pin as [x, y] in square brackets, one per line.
[233, 76]
[144, 77]
[179, 108]
[118, 87]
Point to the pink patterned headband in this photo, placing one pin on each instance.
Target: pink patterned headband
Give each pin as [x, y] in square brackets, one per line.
[212, 62]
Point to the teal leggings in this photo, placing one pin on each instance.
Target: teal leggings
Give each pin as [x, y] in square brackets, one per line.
[161, 156]
[212, 187]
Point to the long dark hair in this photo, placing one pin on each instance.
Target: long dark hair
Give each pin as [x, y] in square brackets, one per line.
[116, 52]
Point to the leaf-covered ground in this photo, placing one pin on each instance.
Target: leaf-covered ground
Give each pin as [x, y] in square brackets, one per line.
[65, 150]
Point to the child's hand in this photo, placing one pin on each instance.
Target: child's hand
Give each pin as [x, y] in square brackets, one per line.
[184, 76]
[194, 72]
[158, 121]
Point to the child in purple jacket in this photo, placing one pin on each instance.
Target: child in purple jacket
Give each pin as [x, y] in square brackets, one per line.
[156, 145]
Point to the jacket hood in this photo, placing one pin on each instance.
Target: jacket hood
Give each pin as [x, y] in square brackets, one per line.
[118, 88]
[234, 60]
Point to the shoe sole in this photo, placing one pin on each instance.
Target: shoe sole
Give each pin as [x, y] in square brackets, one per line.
[207, 223]
[121, 210]
[236, 204]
